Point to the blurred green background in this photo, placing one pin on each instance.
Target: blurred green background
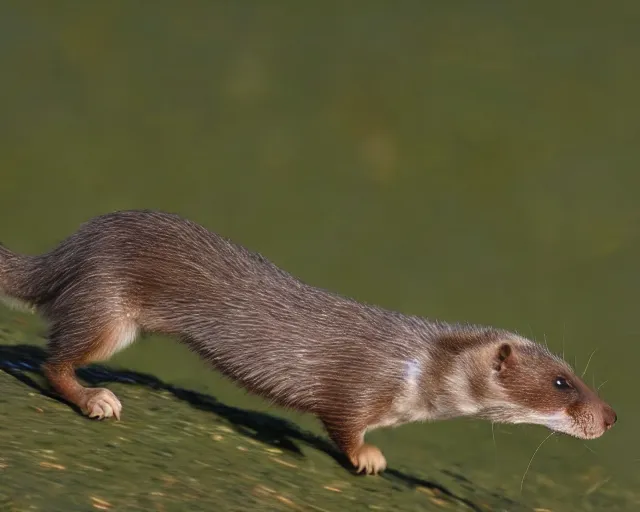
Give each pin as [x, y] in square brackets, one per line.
[470, 161]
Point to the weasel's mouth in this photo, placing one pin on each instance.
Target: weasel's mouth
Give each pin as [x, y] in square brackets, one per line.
[559, 422]
[571, 428]
[573, 434]
[578, 434]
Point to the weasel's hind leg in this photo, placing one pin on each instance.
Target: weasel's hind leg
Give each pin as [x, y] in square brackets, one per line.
[77, 343]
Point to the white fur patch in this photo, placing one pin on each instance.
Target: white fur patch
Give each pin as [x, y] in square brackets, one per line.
[458, 382]
[413, 370]
[121, 336]
[558, 421]
[407, 406]
[127, 334]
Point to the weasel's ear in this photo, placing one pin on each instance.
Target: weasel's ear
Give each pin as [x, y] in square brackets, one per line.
[504, 357]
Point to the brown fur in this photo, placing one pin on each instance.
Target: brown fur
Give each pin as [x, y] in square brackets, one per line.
[353, 365]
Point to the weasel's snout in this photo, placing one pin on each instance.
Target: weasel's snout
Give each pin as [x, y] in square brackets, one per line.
[610, 417]
[591, 418]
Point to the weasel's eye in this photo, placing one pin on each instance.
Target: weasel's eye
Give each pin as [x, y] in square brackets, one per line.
[561, 383]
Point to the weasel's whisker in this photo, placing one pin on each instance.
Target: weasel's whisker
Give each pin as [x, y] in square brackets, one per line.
[602, 385]
[531, 460]
[588, 362]
[495, 445]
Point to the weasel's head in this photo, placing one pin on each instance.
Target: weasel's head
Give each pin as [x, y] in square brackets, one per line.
[529, 384]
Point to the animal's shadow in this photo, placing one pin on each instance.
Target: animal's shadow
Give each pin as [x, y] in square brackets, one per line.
[20, 360]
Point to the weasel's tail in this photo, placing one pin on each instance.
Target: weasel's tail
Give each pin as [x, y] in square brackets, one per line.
[19, 276]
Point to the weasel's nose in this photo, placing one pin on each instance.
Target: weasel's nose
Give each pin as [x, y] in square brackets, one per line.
[610, 418]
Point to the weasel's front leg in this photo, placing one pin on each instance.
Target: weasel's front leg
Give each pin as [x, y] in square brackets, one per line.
[366, 458]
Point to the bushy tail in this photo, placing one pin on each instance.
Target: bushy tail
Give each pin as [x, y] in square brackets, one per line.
[18, 276]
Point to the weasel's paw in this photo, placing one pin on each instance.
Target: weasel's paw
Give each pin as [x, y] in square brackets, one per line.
[368, 459]
[101, 403]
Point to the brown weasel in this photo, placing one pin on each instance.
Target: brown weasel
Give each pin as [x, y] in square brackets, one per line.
[355, 366]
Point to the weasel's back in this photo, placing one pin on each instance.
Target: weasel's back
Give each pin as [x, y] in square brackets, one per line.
[153, 252]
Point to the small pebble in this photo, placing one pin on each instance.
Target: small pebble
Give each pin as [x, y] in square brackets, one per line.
[51, 465]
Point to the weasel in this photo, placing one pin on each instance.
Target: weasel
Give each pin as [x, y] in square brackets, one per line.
[355, 366]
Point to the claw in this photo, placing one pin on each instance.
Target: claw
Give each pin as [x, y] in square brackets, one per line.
[369, 459]
[102, 404]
